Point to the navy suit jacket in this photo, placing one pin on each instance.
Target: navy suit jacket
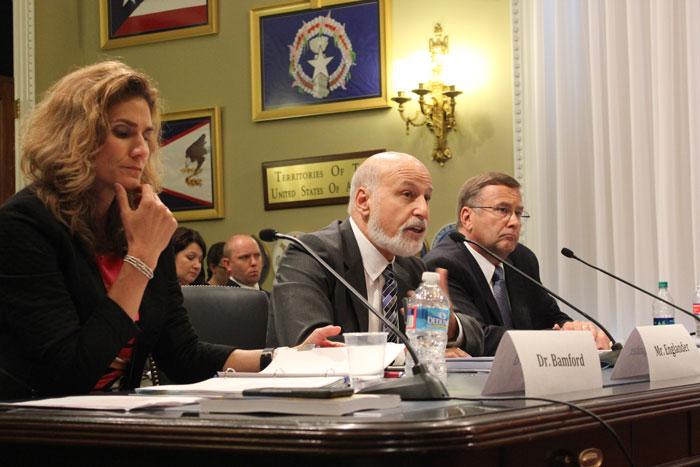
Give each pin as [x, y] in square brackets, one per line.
[531, 307]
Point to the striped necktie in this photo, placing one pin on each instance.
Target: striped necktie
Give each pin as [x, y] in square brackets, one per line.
[500, 293]
[389, 308]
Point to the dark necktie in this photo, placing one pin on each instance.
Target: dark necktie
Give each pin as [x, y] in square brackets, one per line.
[500, 293]
[389, 307]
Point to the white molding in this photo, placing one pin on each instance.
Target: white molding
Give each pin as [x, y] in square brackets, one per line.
[24, 70]
[516, 25]
[518, 111]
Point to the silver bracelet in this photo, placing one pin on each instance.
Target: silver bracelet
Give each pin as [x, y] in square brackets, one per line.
[139, 265]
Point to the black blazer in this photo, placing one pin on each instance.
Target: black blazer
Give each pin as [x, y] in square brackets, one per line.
[531, 307]
[58, 329]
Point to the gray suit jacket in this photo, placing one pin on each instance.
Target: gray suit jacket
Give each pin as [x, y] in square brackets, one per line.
[305, 296]
[531, 306]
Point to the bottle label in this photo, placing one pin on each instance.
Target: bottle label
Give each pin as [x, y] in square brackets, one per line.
[424, 318]
[696, 309]
[663, 321]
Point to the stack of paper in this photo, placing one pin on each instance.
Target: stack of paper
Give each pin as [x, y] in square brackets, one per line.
[220, 387]
[325, 361]
[108, 402]
[299, 405]
[469, 364]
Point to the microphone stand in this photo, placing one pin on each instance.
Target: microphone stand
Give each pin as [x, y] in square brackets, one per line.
[570, 254]
[423, 385]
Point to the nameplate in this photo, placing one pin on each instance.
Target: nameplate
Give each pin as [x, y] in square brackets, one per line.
[311, 181]
[544, 362]
[662, 352]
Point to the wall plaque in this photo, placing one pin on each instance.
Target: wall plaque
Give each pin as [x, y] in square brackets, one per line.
[312, 181]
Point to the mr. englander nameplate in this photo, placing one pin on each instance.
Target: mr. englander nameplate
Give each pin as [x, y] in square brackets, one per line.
[544, 362]
[662, 352]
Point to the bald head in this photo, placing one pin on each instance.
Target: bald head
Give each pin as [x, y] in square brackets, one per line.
[389, 196]
[243, 259]
[373, 169]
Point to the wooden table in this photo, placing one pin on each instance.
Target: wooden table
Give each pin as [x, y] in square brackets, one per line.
[658, 423]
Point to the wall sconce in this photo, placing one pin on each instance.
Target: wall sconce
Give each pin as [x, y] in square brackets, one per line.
[436, 100]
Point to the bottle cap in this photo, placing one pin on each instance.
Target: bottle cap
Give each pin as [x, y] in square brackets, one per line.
[430, 277]
[663, 285]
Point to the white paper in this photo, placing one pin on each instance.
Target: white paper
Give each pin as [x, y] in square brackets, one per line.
[469, 364]
[662, 352]
[321, 360]
[235, 386]
[544, 362]
[109, 402]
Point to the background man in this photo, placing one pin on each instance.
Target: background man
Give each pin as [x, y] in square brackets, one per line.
[490, 212]
[243, 261]
[388, 209]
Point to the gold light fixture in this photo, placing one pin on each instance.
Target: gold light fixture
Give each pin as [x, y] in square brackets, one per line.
[436, 100]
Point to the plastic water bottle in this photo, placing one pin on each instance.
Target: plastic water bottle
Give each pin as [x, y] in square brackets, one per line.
[663, 314]
[427, 318]
[696, 310]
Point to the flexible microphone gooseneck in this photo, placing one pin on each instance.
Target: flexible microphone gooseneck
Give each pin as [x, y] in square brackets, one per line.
[423, 385]
[570, 254]
[457, 236]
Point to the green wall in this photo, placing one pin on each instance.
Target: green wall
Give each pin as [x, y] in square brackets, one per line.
[215, 70]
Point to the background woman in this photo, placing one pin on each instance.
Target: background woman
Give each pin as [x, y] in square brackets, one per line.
[189, 248]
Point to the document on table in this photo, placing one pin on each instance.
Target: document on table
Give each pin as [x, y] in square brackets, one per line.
[469, 364]
[219, 387]
[108, 402]
[326, 361]
[300, 405]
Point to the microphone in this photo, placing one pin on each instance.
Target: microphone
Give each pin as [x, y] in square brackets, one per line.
[616, 346]
[423, 385]
[570, 254]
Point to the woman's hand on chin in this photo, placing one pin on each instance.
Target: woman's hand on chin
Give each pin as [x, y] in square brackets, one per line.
[148, 228]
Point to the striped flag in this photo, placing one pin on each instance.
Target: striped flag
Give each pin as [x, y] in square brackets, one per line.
[134, 17]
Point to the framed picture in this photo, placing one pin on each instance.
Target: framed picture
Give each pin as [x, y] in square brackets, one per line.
[133, 22]
[318, 57]
[191, 155]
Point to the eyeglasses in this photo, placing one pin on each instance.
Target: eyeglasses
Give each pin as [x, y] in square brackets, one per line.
[505, 213]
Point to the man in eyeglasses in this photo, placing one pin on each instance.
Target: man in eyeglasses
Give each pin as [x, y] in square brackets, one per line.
[490, 212]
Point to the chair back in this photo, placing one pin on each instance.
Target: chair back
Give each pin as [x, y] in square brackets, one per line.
[228, 315]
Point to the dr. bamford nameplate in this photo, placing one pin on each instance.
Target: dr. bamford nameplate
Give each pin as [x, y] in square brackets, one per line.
[662, 352]
[544, 362]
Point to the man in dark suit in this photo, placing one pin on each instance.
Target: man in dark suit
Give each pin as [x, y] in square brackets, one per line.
[491, 213]
[243, 261]
[373, 248]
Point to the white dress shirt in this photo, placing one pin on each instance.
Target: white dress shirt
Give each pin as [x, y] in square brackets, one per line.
[373, 263]
[486, 266]
[243, 286]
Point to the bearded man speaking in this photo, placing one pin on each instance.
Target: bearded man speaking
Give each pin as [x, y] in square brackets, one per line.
[373, 250]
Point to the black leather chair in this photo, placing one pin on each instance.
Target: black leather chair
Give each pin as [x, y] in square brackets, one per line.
[220, 315]
[228, 315]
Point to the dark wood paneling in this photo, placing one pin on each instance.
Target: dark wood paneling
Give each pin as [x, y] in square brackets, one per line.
[7, 138]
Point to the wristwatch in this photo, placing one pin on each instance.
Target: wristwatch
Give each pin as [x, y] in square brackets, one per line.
[266, 357]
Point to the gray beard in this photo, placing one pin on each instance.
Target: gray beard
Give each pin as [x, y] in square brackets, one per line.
[396, 245]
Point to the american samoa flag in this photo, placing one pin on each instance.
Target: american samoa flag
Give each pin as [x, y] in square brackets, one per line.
[187, 160]
[134, 17]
